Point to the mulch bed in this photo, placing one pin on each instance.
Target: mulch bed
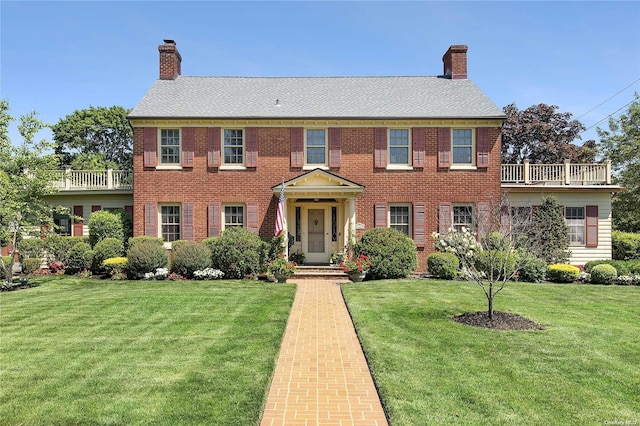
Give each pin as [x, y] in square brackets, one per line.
[500, 321]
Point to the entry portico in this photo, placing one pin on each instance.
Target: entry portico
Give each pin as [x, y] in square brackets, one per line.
[320, 213]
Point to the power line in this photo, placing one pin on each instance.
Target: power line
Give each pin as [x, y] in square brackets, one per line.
[607, 100]
[607, 117]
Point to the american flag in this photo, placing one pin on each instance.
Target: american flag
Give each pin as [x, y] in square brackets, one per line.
[280, 213]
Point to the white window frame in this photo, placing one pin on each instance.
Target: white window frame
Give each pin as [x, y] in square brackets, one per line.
[162, 223]
[325, 164]
[577, 226]
[409, 223]
[459, 225]
[399, 166]
[472, 163]
[169, 165]
[223, 163]
[223, 220]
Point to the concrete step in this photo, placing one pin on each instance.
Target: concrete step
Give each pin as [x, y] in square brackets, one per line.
[320, 271]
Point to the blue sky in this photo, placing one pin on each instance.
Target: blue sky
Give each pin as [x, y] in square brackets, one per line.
[57, 57]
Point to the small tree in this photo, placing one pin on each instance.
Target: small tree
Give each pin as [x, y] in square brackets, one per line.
[26, 176]
[493, 261]
[549, 233]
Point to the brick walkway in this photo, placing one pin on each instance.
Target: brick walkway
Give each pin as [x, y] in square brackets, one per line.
[321, 377]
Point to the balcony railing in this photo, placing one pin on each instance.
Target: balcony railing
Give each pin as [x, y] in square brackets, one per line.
[94, 180]
[556, 174]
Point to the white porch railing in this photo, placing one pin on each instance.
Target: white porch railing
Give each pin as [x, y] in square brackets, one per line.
[92, 180]
[557, 174]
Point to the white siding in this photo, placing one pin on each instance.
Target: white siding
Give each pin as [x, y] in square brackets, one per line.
[110, 201]
[579, 254]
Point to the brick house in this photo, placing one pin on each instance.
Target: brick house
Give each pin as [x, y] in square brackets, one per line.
[418, 154]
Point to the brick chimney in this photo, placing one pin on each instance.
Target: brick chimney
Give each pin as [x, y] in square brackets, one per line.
[455, 62]
[170, 60]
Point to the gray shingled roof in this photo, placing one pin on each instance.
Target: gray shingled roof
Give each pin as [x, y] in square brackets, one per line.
[315, 97]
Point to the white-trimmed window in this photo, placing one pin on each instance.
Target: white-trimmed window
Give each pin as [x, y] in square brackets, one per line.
[169, 146]
[462, 217]
[170, 222]
[575, 219]
[62, 224]
[462, 147]
[316, 147]
[234, 215]
[399, 147]
[233, 147]
[400, 218]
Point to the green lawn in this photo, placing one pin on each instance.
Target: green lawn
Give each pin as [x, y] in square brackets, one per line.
[584, 369]
[76, 351]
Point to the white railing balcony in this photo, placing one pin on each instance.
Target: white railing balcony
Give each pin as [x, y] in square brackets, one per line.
[94, 180]
[557, 174]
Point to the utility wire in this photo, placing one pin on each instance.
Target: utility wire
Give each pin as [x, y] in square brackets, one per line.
[608, 116]
[607, 100]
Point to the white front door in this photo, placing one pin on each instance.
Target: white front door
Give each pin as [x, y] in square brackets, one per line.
[317, 250]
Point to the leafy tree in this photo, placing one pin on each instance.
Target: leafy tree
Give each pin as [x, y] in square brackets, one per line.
[621, 144]
[97, 137]
[25, 178]
[549, 233]
[543, 135]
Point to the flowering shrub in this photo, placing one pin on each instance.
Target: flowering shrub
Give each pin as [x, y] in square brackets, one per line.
[461, 243]
[56, 267]
[159, 274]
[41, 272]
[208, 274]
[176, 277]
[628, 280]
[281, 266]
[359, 264]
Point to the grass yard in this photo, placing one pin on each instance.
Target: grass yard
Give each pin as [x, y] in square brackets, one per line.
[77, 351]
[584, 369]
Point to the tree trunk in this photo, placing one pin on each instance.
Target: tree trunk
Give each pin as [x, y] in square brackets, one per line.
[490, 310]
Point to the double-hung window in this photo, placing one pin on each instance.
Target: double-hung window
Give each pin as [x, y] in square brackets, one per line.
[170, 146]
[399, 147]
[233, 146]
[234, 216]
[574, 217]
[170, 222]
[400, 218]
[316, 147]
[62, 224]
[462, 217]
[462, 147]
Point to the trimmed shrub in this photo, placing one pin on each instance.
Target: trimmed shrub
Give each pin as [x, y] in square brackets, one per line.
[625, 245]
[603, 274]
[271, 248]
[237, 252]
[498, 265]
[104, 224]
[30, 248]
[531, 269]
[80, 257]
[623, 267]
[146, 256]
[443, 265]
[392, 254]
[116, 266]
[144, 239]
[30, 265]
[562, 273]
[190, 257]
[109, 247]
[58, 247]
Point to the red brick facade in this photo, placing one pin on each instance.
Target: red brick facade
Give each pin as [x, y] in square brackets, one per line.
[202, 185]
